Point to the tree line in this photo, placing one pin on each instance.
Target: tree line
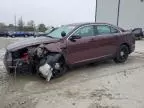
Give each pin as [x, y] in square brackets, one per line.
[22, 26]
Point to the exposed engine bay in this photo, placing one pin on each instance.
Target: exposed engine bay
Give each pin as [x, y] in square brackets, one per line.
[36, 59]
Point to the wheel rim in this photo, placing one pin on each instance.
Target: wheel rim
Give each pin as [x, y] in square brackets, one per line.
[123, 54]
[61, 71]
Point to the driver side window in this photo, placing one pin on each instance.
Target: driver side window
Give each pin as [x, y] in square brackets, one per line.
[85, 31]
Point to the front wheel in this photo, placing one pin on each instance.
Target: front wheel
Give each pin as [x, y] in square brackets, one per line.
[54, 64]
[62, 69]
[122, 54]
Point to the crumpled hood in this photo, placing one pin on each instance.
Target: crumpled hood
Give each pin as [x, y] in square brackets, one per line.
[30, 42]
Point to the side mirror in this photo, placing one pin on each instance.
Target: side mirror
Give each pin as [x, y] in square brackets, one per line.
[63, 34]
[74, 37]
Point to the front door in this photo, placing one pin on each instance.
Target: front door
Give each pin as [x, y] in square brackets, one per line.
[80, 49]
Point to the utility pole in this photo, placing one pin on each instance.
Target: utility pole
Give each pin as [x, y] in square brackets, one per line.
[118, 12]
[96, 8]
[15, 20]
[21, 23]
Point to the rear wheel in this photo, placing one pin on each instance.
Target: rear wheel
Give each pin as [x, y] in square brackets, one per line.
[122, 54]
[140, 38]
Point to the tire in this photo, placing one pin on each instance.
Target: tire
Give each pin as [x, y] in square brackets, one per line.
[56, 72]
[122, 54]
[140, 38]
[62, 71]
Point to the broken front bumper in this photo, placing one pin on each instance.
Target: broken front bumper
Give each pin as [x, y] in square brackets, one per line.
[17, 65]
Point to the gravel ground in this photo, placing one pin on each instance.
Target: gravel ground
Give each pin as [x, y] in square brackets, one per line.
[101, 85]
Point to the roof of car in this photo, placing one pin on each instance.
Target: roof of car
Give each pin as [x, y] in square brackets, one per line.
[86, 23]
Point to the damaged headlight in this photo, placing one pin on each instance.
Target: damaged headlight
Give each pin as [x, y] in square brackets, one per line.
[40, 51]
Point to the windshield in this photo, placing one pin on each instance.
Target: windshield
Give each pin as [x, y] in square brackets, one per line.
[48, 31]
[57, 33]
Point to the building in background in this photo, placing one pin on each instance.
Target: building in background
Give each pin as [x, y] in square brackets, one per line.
[131, 13]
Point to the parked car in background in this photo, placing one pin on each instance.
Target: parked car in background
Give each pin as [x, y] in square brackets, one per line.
[3, 34]
[17, 34]
[138, 32]
[30, 33]
[68, 46]
[20, 34]
[10, 33]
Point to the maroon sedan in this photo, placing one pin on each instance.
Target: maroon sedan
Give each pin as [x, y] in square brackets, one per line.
[69, 45]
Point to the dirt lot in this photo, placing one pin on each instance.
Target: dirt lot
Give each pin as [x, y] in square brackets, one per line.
[101, 85]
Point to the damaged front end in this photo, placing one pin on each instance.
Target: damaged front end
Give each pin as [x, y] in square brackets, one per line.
[50, 66]
[36, 59]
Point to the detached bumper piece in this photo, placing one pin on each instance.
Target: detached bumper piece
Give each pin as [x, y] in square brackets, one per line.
[46, 71]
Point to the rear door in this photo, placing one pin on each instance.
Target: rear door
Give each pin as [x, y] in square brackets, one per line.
[105, 40]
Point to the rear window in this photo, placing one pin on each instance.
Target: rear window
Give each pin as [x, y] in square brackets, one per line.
[113, 30]
[103, 29]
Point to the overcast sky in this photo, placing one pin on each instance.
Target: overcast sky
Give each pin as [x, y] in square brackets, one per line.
[57, 12]
[50, 12]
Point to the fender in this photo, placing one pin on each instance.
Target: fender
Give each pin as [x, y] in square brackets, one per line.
[54, 47]
[58, 47]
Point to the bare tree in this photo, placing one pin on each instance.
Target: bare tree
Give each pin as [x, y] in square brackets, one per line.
[10, 25]
[42, 28]
[31, 25]
[2, 26]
